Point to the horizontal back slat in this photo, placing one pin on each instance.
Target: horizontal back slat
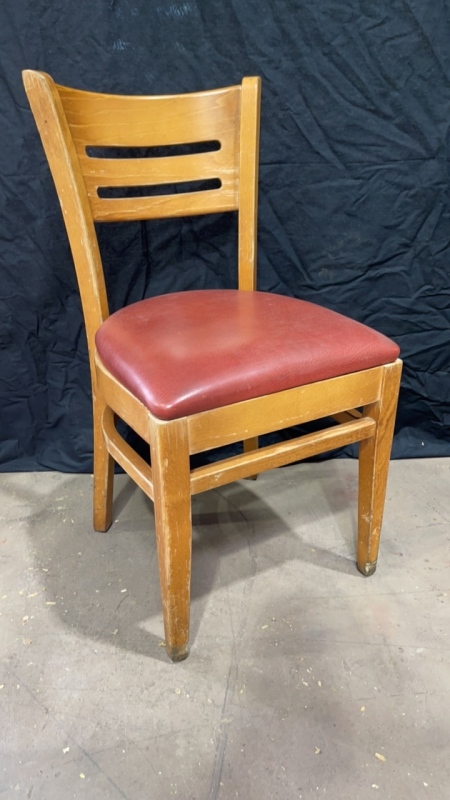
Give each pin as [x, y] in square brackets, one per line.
[172, 205]
[154, 171]
[105, 120]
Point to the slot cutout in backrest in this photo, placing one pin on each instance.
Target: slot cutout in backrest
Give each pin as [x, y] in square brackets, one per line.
[158, 151]
[159, 189]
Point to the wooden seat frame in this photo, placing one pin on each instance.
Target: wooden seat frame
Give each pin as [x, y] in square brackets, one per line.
[72, 121]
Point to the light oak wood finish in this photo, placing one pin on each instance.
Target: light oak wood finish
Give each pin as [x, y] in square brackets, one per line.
[71, 122]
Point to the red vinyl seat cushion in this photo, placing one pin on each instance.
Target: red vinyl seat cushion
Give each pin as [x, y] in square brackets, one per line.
[187, 352]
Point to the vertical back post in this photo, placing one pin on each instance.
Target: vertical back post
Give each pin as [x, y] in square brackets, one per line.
[248, 184]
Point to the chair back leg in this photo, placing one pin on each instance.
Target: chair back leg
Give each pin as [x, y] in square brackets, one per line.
[103, 469]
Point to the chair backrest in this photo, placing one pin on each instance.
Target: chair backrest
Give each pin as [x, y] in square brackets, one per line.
[116, 158]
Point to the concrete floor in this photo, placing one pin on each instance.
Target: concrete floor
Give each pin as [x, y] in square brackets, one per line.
[305, 680]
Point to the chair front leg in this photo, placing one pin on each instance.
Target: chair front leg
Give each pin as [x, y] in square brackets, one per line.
[172, 500]
[103, 469]
[374, 456]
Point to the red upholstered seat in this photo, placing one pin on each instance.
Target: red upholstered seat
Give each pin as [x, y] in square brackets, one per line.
[192, 351]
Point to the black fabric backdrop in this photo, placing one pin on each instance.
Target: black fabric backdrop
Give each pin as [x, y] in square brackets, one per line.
[354, 189]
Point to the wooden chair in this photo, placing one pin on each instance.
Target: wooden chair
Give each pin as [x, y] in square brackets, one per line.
[196, 370]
